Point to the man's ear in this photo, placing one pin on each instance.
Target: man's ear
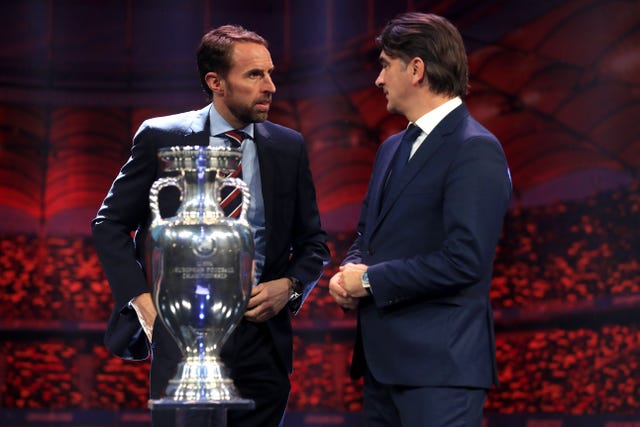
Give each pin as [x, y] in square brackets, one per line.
[214, 82]
[417, 68]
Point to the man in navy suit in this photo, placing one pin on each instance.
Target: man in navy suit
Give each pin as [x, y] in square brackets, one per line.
[420, 268]
[235, 70]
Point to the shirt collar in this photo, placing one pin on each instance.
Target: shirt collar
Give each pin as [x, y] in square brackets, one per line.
[430, 120]
[220, 125]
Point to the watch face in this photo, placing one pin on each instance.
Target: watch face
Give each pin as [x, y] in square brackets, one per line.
[295, 295]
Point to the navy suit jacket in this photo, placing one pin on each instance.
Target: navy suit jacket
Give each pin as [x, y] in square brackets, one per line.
[295, 242]
[430, 249]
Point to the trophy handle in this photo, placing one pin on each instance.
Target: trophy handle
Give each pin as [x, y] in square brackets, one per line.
[158, 185]
[246, 195]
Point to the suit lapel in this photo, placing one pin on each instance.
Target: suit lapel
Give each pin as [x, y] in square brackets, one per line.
[380, 179]
[417, 164]
[267, 173]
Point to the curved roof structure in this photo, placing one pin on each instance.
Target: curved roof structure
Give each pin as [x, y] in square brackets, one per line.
[556, 81]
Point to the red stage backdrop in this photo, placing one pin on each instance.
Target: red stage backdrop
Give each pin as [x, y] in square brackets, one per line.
[558, 82]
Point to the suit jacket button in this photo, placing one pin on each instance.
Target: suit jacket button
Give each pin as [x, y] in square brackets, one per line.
[371, 251]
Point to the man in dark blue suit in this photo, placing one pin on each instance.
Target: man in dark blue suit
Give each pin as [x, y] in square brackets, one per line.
[420, 268]
[235, 71]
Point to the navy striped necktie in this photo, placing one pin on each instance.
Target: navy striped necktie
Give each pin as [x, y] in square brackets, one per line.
[401, 157]
[231, 202]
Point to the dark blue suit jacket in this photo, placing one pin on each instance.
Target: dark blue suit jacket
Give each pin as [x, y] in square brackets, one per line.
[295, 242]
[430, 247]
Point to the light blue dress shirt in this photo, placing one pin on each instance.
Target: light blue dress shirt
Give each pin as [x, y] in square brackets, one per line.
[251, 176]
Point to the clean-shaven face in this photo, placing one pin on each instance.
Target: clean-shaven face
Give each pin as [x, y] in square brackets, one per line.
[395, 81]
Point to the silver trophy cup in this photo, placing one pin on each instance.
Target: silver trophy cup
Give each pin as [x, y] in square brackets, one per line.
[201, 270]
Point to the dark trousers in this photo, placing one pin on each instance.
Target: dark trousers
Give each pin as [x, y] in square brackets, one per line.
[401, 406]
[254, 365]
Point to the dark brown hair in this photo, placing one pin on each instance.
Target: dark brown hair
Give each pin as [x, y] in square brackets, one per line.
[216, 47]
[437, 42]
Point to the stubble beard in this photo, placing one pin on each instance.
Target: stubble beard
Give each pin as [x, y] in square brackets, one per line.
[248, 114]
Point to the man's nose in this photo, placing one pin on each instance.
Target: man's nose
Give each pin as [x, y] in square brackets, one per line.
[270, 86]
[379, 80]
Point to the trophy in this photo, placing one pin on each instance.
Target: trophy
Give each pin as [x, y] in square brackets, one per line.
[201, 271]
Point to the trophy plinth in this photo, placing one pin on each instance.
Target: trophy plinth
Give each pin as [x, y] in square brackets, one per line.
[202, 384]
[201, 273]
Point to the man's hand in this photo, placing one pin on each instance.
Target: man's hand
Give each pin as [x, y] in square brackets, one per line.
[146, 311]
[346, 287]
[351, 279]
[267, 299]
[339, 294]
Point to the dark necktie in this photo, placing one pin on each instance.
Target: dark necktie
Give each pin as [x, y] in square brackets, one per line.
[401, 158]
[231, 202]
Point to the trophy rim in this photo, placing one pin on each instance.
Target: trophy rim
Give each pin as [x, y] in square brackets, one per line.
[197, 149]
[186, 157]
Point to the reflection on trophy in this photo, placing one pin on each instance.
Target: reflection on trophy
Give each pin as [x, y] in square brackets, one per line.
[201, 270]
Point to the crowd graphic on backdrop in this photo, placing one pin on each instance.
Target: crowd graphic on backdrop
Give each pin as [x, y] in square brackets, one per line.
[559, 89]
[545, 368]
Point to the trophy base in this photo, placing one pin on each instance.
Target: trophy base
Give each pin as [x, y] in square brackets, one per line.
[200, 394]
[200, 381]
[201, 405]
[186, 413]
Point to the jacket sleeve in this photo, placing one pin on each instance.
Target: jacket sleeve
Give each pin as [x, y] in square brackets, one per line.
[475, 198]
[309, 251]
[125, 211]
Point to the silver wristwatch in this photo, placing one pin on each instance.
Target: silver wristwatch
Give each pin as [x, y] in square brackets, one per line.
[296, 289]
[365, 281]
